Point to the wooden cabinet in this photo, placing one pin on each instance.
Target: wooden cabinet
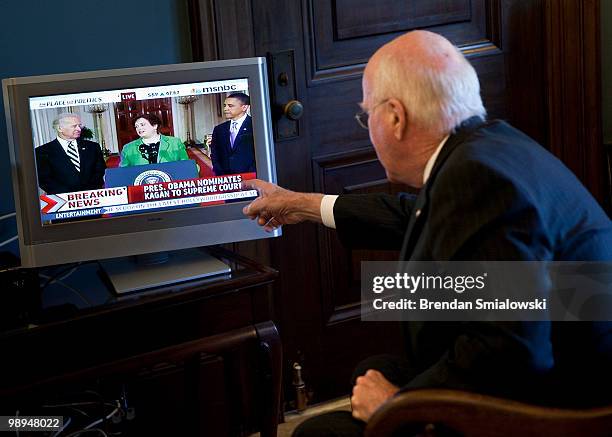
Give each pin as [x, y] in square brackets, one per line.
[196, 358]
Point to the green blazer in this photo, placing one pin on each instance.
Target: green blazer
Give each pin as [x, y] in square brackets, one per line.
[170, 149]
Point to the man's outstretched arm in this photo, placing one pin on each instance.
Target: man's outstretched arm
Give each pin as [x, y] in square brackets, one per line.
[277, 206]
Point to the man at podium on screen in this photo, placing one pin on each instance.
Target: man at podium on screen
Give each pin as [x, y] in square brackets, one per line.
[232, 142]
[69, 163]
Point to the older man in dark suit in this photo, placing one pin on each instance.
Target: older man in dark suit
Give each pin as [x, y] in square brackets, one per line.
[232, 142]
[488, 192]
[69, 163]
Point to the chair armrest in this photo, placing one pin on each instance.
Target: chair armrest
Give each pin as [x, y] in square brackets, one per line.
[478, 415]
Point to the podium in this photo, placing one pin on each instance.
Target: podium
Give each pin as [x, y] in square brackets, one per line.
[150, 173]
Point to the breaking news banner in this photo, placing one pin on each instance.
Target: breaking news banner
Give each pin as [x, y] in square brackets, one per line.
[486, 291]
[146, 197]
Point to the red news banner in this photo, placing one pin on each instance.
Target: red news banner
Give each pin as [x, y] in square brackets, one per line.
[141, 198]
[188, 188]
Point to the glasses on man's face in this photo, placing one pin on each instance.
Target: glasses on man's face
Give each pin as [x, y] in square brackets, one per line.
[363, 117]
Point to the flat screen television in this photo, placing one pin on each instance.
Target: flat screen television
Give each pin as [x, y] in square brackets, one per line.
[171, 183]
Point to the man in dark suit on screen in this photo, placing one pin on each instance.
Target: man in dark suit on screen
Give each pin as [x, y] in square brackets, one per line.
[232, 142]
[488, 193]
[68, 163]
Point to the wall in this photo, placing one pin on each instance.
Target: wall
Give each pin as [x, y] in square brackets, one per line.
[59, 36]
[606, 63]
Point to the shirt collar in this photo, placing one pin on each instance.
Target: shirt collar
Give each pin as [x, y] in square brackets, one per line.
[64, 143]
[240, 121]
[432, 160]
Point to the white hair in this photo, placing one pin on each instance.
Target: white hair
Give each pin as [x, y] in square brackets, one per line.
[59, 121]
[435, 98]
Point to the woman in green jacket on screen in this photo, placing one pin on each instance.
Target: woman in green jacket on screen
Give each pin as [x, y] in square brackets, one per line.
[151, 147]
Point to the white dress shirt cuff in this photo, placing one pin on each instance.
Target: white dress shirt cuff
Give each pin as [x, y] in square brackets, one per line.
[327, 210]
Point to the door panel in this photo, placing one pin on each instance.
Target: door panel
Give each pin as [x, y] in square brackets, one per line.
[392, 16]
[342, 35]
[317, 295]
[340, 292]
[333, 128]
[127, 111]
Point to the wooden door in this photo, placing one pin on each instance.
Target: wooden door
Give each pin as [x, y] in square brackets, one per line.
[519, 49]
[126, 112]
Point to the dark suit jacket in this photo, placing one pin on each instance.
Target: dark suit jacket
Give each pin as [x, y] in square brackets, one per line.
[495, 194]
[56, 173]
[240, 158]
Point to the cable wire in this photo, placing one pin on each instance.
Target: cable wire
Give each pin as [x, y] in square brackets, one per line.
[64, 426]
[69, 287]
[99, 421]
[5, 216]
[70, 269]
[84, 431]
[10, 240]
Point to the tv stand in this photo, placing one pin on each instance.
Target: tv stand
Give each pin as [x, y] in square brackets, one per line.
[201, 357]
[142, 272]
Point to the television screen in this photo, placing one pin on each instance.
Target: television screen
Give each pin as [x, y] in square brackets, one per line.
[148, 166]
[123, 162]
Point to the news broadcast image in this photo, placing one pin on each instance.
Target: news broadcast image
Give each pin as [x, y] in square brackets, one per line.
[130, 151]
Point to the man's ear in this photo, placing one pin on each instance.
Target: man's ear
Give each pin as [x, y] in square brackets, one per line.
[399, 118]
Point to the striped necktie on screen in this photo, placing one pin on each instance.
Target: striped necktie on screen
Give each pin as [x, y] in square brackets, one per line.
[73, 154]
